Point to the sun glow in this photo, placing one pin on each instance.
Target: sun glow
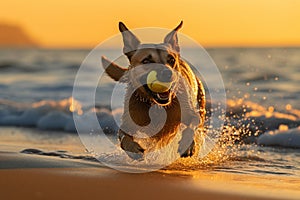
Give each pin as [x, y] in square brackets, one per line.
[212, 23]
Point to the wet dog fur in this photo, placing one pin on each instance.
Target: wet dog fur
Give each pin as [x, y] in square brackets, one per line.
[164, 58]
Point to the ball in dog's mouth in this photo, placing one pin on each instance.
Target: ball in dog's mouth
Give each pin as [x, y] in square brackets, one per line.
[156, 85]
[160, 91]
[160, 98]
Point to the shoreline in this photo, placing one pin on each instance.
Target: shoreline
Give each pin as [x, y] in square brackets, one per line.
[26, 176]
[64, 181]
[31, 176]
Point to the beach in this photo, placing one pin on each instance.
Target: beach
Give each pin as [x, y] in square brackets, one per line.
[31, 176]
[43, 157]
[104, 100]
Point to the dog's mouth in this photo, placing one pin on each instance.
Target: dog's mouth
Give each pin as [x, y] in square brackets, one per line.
[161, 98]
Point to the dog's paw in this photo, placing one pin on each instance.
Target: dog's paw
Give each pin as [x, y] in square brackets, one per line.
[135, 156]
[133, 149]
[186, 144]
[189, 152]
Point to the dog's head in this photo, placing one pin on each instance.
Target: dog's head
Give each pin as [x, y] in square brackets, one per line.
[162, 60]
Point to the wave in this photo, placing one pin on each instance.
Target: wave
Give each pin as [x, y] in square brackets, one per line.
[265, 77]
[283, 137]
[245, 120]
[240, 162]
[54, 115]
[13, 66]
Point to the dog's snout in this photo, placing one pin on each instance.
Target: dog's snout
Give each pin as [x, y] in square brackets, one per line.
[165, 75]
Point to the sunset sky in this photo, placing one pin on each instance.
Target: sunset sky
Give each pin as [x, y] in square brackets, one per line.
[85, 23]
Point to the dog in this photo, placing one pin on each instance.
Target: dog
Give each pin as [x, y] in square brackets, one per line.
[183, 102]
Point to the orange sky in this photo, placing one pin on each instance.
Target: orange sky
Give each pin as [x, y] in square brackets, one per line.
[85, 23]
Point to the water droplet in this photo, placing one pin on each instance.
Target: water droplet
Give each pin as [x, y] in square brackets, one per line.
[271, 109]
[288, 106]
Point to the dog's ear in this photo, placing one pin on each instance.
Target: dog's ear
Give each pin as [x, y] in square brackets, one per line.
[172, 38]
[113, 70]
[131, 42]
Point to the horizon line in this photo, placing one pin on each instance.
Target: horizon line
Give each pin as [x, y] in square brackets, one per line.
[116, 47]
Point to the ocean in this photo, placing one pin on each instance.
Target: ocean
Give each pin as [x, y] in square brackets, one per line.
[262, 95]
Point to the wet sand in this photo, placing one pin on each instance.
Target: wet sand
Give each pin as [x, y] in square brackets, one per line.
[27, 176]
[40, 177]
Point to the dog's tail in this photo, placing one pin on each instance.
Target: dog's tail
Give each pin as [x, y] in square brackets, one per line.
[112, 69]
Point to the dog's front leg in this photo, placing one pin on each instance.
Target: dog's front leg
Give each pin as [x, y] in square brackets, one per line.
[132, 148]
[191, 119]
[187, 144]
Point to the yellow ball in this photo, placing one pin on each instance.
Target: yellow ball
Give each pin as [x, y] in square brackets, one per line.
[155, 85]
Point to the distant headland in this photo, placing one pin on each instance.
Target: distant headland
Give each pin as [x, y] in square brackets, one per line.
[14, 36]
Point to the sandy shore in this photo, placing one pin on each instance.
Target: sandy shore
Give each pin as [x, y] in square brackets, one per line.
[40, 177]
[28, 176]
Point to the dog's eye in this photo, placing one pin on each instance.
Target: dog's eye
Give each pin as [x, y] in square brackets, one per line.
[171, 61]
[146, 61]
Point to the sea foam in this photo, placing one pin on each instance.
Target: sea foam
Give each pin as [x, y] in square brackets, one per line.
[263, 124]
[283, 138]
[57, 115]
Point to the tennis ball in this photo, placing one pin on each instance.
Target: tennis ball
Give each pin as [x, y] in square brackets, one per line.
[155, 85]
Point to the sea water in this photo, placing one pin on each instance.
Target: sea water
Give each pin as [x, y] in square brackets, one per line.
[262, 89]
